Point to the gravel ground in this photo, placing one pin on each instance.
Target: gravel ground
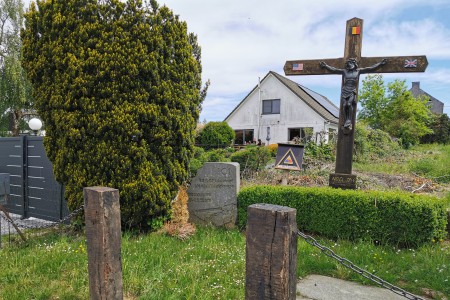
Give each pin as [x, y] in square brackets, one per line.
[23, 224]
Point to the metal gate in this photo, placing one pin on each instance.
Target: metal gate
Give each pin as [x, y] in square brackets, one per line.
[34, 192]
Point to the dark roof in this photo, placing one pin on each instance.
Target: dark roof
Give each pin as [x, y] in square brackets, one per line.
[317, 102]
[436, 105]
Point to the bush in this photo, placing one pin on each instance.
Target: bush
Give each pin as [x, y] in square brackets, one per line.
[202, 156]
[373, 143]
[117, 85]
[273, 149]
[440, 124]
[251, 158]
[322, 151]
[216, 135]
[388, 217]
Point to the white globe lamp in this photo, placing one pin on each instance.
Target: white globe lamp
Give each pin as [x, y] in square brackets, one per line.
[35, 124]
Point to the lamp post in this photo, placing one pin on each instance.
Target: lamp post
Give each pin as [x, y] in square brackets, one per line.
[35, 125]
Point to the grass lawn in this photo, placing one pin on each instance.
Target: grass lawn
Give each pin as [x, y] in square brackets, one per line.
[209, 265]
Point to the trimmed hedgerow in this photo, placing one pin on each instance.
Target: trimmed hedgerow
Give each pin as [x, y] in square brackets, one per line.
[387, 217]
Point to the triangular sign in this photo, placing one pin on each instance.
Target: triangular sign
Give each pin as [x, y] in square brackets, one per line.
[288, 161]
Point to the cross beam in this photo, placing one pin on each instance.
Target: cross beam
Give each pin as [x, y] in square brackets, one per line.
[351, 66]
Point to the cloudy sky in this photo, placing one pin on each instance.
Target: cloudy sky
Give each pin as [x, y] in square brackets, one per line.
[242, 40]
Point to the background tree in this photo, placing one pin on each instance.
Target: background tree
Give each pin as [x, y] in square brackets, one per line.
[119, 88]
[216, 135]
[394, 109]
[15, 89]
[440, 124]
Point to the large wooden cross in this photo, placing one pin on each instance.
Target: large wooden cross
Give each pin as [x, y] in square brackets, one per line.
[351, 66]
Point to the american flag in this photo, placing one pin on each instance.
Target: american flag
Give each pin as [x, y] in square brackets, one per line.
[297, 67]
[410, 63]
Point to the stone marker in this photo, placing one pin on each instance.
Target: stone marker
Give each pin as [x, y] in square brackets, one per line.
[213, 195]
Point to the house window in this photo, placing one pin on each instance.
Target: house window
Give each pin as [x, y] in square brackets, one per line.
[243, 136]
[271, 106]
[303, 134]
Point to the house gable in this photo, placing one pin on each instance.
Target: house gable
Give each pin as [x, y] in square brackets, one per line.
[436, 106]
[299, 108]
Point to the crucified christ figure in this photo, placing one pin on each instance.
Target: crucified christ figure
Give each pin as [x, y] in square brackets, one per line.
[350, 77]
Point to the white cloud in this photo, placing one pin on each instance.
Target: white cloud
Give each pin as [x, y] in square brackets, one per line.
[242, 40]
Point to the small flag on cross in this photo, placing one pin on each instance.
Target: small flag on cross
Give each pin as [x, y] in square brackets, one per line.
[297, 67]
[356, 30]
[410, 63]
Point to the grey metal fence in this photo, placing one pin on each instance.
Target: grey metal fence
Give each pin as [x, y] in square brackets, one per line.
[34, 192]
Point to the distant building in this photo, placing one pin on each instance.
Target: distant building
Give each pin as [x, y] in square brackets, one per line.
[436, 106]
[278, 110]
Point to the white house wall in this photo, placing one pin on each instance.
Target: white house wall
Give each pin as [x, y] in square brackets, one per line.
[294, 113]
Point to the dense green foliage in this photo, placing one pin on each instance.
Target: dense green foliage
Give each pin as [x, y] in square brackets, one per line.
[216, 135]
[372, 143]
[215, 155]
[321, 151]
[15, 89]
[388, 217]
[394, 109]
[440, 124]
[252, 158]
[118, 87]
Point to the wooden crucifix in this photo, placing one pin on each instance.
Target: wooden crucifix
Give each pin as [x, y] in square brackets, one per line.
[350, 67]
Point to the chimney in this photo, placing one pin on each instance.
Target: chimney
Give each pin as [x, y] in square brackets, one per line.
[415, 87]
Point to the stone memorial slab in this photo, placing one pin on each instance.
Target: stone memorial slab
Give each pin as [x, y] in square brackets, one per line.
[213, 195]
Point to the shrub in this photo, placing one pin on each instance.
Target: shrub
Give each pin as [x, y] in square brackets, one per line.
[251, 158]
[215, 155]
[440, 124]
[118, 86]
[273, 148]
[216, 135]
[388, 217]
[373, 143]
[320, 151]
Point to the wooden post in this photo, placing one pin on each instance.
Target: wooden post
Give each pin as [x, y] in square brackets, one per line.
[448, 223]
[285, 177]
[102, 216]
[271, 253]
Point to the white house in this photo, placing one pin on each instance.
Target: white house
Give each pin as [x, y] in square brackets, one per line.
[279, 109]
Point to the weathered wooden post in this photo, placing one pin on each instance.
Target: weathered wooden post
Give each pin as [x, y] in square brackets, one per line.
[448, 223]
[102, 216]
[271, 253]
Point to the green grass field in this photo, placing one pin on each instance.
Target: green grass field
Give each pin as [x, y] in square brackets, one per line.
[210, 265]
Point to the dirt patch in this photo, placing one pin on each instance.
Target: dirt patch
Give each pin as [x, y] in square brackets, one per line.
[365, 181]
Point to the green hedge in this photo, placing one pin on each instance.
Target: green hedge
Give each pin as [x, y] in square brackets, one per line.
[387, 217]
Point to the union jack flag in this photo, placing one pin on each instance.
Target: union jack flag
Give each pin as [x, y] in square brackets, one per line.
[410, 63]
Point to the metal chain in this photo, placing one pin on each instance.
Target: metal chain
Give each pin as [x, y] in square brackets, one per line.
[48, 225]
[348, 264]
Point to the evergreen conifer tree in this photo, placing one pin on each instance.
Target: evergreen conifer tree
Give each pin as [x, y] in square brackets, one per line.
[118, 87]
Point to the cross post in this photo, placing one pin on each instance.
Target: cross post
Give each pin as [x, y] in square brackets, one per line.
[350, 67]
